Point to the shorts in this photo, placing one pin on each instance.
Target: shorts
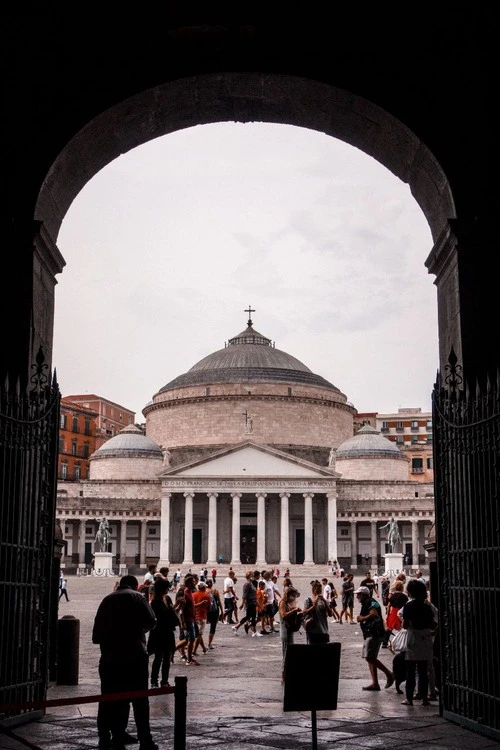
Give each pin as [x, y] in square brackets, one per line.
[371, 647]
[269, 611]
[191, 631]
[201, 626]
[347, 601]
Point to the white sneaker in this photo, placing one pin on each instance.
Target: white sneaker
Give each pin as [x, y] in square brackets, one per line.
[235, 629]
[256, 635]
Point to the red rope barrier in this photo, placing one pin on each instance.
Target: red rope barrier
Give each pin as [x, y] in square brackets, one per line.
[36, 705]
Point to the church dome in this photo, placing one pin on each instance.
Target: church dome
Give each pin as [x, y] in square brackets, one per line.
[130, 441]
[128, 455]
[369, 455]
[246, 357]
[369, 442]
[249, 390]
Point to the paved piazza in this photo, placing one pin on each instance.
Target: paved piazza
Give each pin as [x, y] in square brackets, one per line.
[235, 696]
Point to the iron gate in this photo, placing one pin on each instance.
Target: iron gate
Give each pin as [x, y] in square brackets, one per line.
[467, 490]
[29, 425]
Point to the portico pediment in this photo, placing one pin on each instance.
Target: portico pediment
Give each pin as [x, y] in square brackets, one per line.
[247, 460]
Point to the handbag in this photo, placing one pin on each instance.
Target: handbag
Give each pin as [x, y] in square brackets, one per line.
[400, 641]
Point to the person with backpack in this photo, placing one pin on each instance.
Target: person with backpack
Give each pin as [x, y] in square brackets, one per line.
[215, 613]
[316, 612]
[372, 626]
[249, 601]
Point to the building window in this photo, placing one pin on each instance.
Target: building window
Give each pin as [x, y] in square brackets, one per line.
[64, 470]
[385, 427]
[429, 425]
[399, 426]
[400, 440]
[344, 532]
[89, 531]
[86, 450]
[414, 425]
[75, 425]
[87, 427]
[414, 439]
[62, 421]
[152, 532]
[417, 466]
[430, 462]
[61, 445]
[77, 473]
[73, 448]
[429, 440]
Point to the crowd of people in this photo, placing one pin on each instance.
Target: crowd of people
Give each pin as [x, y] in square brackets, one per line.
[170, 615]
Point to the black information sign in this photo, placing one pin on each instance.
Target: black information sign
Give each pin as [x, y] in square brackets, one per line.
[311, 677]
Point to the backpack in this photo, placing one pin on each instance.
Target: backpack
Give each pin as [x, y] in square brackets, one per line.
[293, 621]
[214, 607]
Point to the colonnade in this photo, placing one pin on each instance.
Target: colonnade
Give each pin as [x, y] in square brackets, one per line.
[212, 541]
[332, 520]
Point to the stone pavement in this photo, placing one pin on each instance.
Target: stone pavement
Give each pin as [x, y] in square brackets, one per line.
[235, 696]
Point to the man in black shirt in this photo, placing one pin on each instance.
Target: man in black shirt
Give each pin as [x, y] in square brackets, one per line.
[120, 625]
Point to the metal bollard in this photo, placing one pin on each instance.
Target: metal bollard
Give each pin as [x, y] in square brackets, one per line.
[68, 650]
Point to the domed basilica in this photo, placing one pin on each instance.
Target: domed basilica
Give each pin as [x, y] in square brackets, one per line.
[249, 457]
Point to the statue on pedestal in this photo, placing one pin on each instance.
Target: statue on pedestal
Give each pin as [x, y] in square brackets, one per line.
[393, 535]
[102, 535]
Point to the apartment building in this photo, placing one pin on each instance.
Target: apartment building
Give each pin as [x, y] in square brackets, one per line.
[411, 429]
[111, 417]
[77, 440]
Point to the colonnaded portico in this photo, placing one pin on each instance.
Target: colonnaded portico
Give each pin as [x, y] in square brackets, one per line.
[245, 504]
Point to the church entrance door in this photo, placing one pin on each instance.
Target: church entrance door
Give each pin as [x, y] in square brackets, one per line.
[248, 544]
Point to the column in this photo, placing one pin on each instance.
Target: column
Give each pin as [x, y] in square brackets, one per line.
[81, 543]
[354, 546]
[123, 547]
[235, 536]
[331, 498]
[261, 528]
[308, 529]
[188, 530]
[143, 528]
[374, 552]
[166, 497]
[285, 531]
[212, 529]
[414, 541]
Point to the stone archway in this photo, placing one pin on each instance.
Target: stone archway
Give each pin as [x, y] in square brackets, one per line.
[245, 98]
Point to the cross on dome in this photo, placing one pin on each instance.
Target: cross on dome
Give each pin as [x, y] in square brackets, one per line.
[249, 310]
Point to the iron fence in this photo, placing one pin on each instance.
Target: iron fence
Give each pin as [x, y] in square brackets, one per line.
[467, 490]
[28, 461]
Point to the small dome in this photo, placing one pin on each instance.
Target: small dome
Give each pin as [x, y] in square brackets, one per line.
[129, 441]
[369, 443]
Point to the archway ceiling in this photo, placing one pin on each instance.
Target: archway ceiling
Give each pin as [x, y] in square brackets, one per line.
[245, 97]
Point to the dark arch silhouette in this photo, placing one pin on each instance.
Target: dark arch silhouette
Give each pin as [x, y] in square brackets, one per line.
[245, 98]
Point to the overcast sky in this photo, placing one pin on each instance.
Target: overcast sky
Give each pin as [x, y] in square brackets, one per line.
[168, 244]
